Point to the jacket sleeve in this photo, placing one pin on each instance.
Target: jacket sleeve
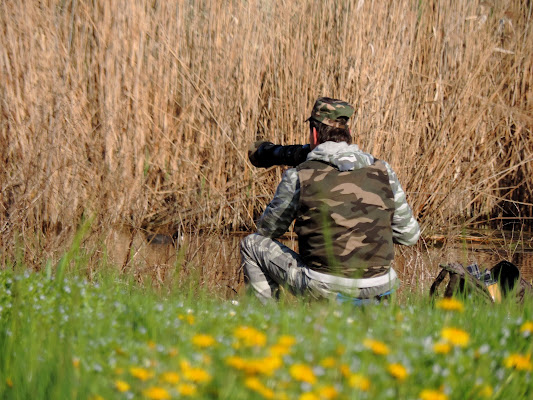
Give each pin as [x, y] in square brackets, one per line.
[282, 210]
[405, 228]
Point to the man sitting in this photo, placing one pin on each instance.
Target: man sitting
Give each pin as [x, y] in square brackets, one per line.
[349, 209]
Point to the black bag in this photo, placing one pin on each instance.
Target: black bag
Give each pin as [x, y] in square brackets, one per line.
[490, 285]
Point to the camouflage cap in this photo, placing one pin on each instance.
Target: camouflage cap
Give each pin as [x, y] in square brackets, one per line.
[327, 111]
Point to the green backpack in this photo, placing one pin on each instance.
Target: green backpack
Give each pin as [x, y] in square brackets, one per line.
[502, 280]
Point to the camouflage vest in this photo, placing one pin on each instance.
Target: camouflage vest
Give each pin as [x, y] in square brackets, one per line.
[344, 219]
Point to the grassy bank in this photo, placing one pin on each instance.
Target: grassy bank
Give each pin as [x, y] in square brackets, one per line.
[142, 112]
[70, 339]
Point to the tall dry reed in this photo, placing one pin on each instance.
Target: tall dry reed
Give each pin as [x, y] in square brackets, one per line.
[141, 112]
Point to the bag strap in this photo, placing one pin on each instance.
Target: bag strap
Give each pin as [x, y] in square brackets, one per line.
[455, 282]
[438, 281]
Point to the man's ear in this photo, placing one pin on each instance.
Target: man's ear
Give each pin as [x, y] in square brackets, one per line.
[315, 136]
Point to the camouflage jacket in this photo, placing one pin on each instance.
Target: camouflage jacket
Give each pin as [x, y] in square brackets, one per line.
[283, 208]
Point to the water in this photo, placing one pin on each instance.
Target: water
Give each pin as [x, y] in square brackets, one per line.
[214, 260]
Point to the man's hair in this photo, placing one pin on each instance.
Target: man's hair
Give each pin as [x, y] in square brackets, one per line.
[326, 133]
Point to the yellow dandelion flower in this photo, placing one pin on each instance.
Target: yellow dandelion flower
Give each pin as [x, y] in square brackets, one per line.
[188, 318]
[156, 393]
[328, 362]
[256, 385]
[286, 340]
[450, 304]
[398, 371]
[359, 381]
[119, 371]
[203, 341]
[340, 350]
[9, 382]
[253, 383]
[170, 377]
[527, 327]
[486, 391]
[184, 365]
[345, 370]
[260, 366]
[236, 362]
[173, 352]
[141, 373]
[430, 394]
[455, 336]
[442, 347]
[250, 336]
[197, 375]
[328, 393]
[122, 386]
[186, 389]
[267, 393]
[76, 362]
[252, 367]
[264, 366]
[279, 350]
[303, 373]
[151, 344]
[376, 346]
[519, 362]
[268, 365]
[308, 396]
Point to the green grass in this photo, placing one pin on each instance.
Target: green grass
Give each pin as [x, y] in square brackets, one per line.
[71, 339]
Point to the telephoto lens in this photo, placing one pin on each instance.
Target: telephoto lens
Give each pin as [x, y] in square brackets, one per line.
[264, 154]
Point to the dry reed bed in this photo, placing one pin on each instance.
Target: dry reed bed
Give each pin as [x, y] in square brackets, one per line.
[141, 112]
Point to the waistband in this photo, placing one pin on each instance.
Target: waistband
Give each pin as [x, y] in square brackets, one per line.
[352, 283]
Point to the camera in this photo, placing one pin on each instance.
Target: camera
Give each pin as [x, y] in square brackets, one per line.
[264, 154]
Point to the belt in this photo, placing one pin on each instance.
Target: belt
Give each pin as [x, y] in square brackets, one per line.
[352, 283]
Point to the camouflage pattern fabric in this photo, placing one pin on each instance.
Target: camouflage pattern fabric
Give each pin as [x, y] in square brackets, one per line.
[344, 219]
[327, 111]
[282, 210]
[267, 264]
